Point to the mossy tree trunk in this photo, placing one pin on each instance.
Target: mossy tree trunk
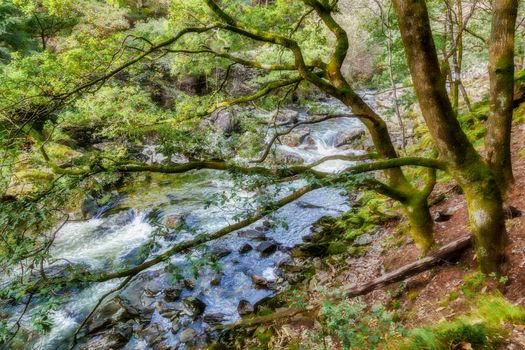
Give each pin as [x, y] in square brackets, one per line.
[501, 71]
[471, 172]
[401, 189]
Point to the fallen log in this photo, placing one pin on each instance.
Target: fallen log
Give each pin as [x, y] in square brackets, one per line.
[445, 254]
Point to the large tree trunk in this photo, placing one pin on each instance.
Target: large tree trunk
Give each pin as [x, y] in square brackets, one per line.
[501, 71]
[463, 161]
[421, 222]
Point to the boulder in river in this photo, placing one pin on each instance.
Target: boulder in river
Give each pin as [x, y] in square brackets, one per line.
[349, 137]
[216, 279]
[110, 313]
[194, 306]
[295, 138]
[225, 120]
[287, 116]
[214, 319]
[115, 338]
[257, 235]
[245, 248]
[287, 157]
[152, 334]
[266, 248]
[173, 220]
[245, 308]
[260, 281]
[172, 293]
[220, 252]
[187, 335]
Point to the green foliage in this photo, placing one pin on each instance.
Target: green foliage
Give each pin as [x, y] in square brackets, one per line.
[483, 328]
[354, 326]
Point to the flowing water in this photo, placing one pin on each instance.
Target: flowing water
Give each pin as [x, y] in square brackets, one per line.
[112, 241]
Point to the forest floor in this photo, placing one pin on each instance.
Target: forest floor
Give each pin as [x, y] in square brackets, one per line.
[442, 293]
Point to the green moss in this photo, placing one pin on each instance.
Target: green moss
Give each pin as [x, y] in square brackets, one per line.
[482, 328]
[337, 248]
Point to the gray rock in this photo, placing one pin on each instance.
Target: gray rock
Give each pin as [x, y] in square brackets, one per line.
[152, 334]
[260, 281]
[187, 335]
[89, 207]
[266, 248]
[287, 116]
[154, 287]
[172, 293]
[220, 252]
[288, 157]
[189, 283]
[245, 308]
[295, 138]
[245, 248]
[173, 220]
[194, 306]
[225, 121]
[364, 239]
[349, 137]
[214, 319]
[106, 316]
[257, 235]
[216, 279]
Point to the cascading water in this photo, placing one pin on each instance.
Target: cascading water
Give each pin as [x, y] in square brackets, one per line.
[110, 242]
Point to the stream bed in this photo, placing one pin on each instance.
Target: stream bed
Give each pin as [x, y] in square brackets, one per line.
[169, 306]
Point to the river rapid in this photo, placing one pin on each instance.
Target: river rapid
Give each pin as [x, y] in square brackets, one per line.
[157, 311]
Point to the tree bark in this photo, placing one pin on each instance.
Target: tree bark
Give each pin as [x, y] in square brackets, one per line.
[501, 71]
[464, 163]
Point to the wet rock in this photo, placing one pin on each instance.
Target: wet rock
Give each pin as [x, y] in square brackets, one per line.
[154, 288]
[152, 334]
[214, 319]
[288, 157]
[187, 335]
[189, 283]
[512, 212]
[245, 248]
[225, 121]
[89, 207]
[349, 137]
[295, 138]
[133, 299]
[245, 308]
[266, 248]
[310, 250]
[442, 216]
[173, 220]
[220, 252]
[109, 314]
[287, 116]
[364, 239]
[260, 281]
[172, 293]
[116, 338]
[216, 279]
[134, 257]
[195, 306]
[256, 235]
